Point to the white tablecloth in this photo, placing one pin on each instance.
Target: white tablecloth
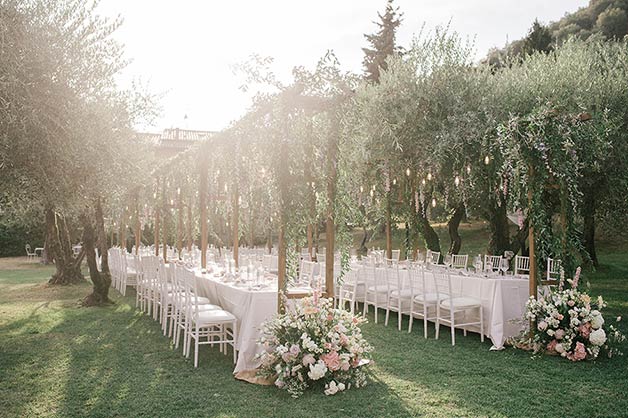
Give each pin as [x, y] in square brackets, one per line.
[503, 302]
[250, 307]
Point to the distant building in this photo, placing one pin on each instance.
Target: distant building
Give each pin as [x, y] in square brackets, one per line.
[174, 140]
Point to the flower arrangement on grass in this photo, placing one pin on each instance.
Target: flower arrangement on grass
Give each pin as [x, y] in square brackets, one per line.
[570, 324]
[314, 345]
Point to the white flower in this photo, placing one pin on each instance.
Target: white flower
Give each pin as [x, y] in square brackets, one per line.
[317, 370]
[550, 332]
[597, 320]
[331, 388]
[598, 337]
[341, 386]
[559, 348]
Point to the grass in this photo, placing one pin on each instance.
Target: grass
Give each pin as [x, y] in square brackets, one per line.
[58, 359]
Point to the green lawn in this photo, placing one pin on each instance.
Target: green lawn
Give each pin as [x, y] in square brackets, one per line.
[57, 359]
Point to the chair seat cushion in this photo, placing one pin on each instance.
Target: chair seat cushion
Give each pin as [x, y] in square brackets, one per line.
[403, 293]
[214, 316]
[461, 302]
[379, 289]
[429, 297]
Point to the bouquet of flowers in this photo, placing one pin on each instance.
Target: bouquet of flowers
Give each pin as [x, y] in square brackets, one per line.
[314, 345]
[570, 324]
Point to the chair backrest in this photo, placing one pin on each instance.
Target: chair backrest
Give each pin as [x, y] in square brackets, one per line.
[553, 268]
[522, 264]
[432, 257]
[442, 285]
[396, 254]
[306, 272]
[320, 257]
[492, 262]
[459, 261]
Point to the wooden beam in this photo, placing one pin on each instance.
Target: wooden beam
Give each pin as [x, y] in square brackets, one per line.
[281, 266]
[179, 223]
[310, 240]
[235, 224]
[122, 233]
[202, 201]
[138, 224]
[190, 223]
[164, 228]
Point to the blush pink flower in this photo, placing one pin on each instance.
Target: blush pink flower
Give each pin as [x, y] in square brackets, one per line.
[579, 353]
[308, 359]
[585, 330]
[344, 366]
[559, 334]
[552, 346]
[295, 350]
[332, 360]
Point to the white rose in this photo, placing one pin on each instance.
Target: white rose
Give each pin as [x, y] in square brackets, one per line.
[317, 370]
[341, 386]
[598, 337]
[331, 388]
[597, 321]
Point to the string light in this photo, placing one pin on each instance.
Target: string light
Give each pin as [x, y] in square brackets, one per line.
[394, 182]
[469, 169]
[487, 160]
[423, 182]
[457, 181]
[408, 171]
[178, 191]
[226, 188]
[429, 176]
[372, 194]
[155, 195]
[433, 203]
[361, 189]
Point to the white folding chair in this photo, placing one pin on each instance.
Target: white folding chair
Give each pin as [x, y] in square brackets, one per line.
[400, 295]
[553, 268]
[459, 261]
[452, 302]
[377, 290]
[423, 298]
[522, 265]
[492, 263]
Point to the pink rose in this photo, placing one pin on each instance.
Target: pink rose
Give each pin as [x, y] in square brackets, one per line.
[585, 330]
[332, 360]
[571, 303]
[308, 359]
[542, 326]
[559, 334]
[344, 366]
[560, 317]
[279, 383]
[295, 350]
[330, 317]
[552, 346]
[327, 346]
[343, 339]
[287, 357]
[579, 353]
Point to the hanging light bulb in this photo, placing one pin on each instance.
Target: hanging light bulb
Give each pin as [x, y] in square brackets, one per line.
[155, 195]
[457, 181]
[487, 160]
[468, 168]
[239, 200]
[178, 191]
[433, 203]
[372, 194]
[423, 182]
[394, 182]
[218, 172]
[226, 188]
[227, 224]
[172, 202]
[429, 176]
[408, 171]
[361, 189]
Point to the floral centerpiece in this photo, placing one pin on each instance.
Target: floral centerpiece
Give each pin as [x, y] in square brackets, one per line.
[314, 345]
[569, 323]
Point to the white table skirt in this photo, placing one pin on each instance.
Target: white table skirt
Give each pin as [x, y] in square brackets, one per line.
[250, 307]
[503, 302]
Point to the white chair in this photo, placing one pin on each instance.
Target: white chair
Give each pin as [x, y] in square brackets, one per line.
[432, 257]
[396, 255]
[553, 268]
[522, 265]
[206, 324]
[459, 261]
[31, 256]
[400, 295]
[424, 298]
[492, 263]
[452, 303]
[348, 289]
[307, 273]
[377, 290]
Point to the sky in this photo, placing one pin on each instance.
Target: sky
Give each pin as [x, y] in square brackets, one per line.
[185, 50]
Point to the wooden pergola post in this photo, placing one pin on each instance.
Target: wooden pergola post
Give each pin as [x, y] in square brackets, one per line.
[190, 223]
[281, 264]
[533, 274]
[123, 226]
[179, 223]
[138, 224]
[202, 201]
[236, 224]
[330, 228]
[157, 223]
[310, 240]
[164, 228]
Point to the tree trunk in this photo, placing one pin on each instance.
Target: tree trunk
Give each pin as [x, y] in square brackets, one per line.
[100, 280]
[452, 227]
[365, 238]
[425, 230]
[588, 215]
[68, 268]
[499, 240]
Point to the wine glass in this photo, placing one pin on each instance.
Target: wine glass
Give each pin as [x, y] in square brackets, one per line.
[447, 260]
[503, 266]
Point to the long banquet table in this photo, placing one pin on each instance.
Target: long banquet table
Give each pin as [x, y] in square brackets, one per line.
[250, 307]
[503, 301]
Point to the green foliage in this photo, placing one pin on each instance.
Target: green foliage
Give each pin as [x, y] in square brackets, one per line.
[539, 39]
[382, 43]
